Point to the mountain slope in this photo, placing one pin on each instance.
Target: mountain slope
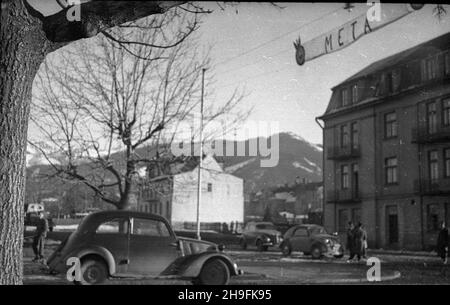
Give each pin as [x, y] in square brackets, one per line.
[297, 158]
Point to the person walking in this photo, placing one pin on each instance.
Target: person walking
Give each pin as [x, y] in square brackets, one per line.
[442, 243]
[39, 237]
[350, 243]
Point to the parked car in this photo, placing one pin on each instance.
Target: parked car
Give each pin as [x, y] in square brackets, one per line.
[260, 234]
[135, 244]
[311, 240]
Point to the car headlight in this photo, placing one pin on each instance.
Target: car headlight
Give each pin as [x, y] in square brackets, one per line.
[327, 241]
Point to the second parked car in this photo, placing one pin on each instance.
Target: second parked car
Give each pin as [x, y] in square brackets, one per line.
[313, 240]
[260, 234]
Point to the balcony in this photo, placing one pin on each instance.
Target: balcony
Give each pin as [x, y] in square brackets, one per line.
[343, 196]
[432, 187]
[422, 135]
[342, 153]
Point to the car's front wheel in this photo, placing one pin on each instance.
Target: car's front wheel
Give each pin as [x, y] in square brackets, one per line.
[260, 246]
[214, 272]
[316, 252]
[286, 249]
[93, 272]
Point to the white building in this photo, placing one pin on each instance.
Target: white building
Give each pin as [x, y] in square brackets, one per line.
[175, 196]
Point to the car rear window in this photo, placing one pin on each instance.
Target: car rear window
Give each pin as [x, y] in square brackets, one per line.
[112, 226]
[150, 227]
[318, 230]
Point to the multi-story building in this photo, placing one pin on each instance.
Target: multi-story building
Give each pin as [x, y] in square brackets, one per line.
[387, 148]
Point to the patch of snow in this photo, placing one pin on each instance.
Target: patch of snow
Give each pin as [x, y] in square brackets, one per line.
[235, 167]
[296, 136]
[299, 165]
[313, 164]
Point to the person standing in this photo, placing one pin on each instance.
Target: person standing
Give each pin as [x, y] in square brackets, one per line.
[350, 243]
[364, 237]
[358, 242]
[442, 243]
[39, 237]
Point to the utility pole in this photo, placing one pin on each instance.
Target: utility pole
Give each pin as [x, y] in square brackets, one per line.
[199, 182]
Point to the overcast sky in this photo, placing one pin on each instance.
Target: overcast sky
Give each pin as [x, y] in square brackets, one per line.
[254, 48]
[280, 89]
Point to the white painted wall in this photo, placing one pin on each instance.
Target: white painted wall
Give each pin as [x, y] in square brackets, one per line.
[224, 204]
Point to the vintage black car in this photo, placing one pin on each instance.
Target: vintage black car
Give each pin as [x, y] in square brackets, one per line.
[134, 244]
[260, 234]
[311, 240]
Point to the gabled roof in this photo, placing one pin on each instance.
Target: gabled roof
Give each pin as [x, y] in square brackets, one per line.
[421, 50]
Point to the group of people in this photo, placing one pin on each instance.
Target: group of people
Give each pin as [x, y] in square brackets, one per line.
[356, 241]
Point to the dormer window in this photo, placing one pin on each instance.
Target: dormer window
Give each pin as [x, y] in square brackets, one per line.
[354, 94]
[447, 63]
[344, 97]
[429, 68]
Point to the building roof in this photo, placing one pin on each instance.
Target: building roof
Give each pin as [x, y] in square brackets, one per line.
[399, 58]
[371, 83]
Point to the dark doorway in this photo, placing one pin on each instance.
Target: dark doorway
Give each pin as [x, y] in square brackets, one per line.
[393, 228]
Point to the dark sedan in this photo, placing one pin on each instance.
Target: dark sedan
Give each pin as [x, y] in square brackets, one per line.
[313, 240]
[134, 244]
[260, 234]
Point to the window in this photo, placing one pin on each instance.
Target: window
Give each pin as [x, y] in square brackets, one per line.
[354, 132]
[344, 97]
[301, 232]
[433, 164]
[344, 177]
[209, 187]
[345, 139]
[390, 123]
[391, 170]
[429, 69]
[446, 111]
[150, 227]
[343, 220]
[354, 94]
[389, 82]
[114, 226]
[447, 162]
[447, 63]
[432, 118]
[432, 217]
[355, 179]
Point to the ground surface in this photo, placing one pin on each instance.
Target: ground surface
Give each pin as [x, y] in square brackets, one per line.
[272, 268]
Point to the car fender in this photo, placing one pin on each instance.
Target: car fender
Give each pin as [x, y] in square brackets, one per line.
[96, 250]
[319, 244]
[190, 266]
[261, 237]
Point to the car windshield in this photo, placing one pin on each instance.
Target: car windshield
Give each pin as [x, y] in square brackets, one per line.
[265, 226]
[318, 230]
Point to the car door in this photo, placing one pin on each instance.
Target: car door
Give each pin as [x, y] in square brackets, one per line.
[112, 234]
[300, 240]
[153, 246]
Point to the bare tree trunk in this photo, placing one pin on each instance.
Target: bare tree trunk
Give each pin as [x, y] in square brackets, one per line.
[22, 51]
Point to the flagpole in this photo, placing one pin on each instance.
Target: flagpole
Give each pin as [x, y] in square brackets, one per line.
[199, 178]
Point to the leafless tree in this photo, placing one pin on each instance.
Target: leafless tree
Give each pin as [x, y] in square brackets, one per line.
[106, 110]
